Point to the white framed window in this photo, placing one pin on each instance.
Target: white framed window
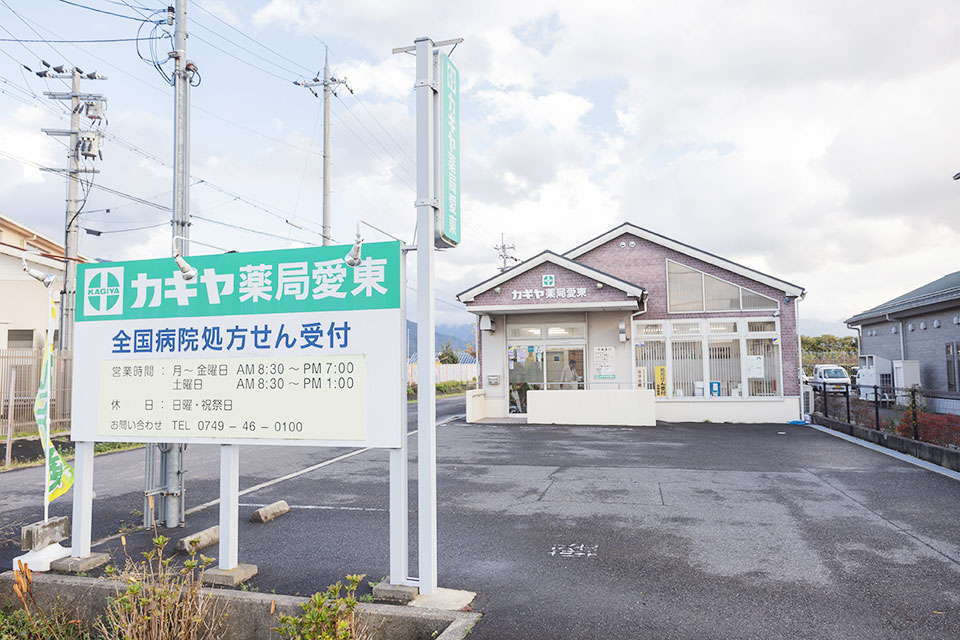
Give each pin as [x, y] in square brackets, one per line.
[710, 357]
[526, 332]
[684, 288]
[563, 331]
[690, 290]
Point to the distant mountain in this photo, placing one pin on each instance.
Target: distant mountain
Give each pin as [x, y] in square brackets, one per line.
[458, 335]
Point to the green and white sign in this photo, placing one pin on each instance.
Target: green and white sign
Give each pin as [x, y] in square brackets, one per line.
[448, 116]
[285, 347]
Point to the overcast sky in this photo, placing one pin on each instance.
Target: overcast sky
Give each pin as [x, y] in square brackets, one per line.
[814, 141]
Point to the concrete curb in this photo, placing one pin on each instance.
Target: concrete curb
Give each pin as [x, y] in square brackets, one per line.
[940, 456]
[247, 614]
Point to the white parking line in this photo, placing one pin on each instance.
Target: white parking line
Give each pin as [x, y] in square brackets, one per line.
[323, 507]
[929, 466]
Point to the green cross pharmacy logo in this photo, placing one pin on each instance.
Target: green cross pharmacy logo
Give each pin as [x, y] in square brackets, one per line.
[104, 292]
[549, 280]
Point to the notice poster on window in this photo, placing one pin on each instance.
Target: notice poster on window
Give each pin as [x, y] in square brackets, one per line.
[755, 367]
[660, 381]
[604, 363]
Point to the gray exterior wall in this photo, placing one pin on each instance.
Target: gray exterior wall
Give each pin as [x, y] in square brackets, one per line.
[928, 346]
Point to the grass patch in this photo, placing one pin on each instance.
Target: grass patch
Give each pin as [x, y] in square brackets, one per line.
[99, 447]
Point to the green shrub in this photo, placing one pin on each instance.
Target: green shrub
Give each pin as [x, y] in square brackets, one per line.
[327, 615]
[160, 601]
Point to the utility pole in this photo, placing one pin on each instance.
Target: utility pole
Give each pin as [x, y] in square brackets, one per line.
[504, 251]
[171, 455]
[82, 143]
[329, 84]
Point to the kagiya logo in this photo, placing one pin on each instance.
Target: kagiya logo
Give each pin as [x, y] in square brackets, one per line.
[104, 292]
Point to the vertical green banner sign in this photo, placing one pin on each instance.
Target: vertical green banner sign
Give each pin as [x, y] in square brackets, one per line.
[448, 117]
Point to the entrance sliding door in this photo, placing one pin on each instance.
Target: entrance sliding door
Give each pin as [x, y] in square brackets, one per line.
[526, 372]
[564, 367]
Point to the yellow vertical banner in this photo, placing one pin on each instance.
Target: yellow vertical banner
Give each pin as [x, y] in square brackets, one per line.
[60, 474]
[660, 381]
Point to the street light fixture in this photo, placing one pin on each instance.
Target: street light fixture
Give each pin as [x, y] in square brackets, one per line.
[353, 257]
[190, 272]
[46, 279]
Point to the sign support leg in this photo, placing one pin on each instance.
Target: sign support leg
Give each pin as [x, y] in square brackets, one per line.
[82, 500]
[229, 506]
[426, 389]
[399, 487]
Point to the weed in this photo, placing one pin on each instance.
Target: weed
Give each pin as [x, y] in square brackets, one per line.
[31, 621]
[327, 614]
[160, 601]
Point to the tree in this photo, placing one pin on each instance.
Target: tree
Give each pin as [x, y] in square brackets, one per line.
[471, 350]
[448, 355]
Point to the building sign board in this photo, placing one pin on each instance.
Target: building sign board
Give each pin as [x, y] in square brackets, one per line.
[448, 117]
[283, 347]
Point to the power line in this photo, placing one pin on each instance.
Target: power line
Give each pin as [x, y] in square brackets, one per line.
[93, 41]
[377, 140]
[377, 155]
[240, 228]
[97, 232]
[109, 13]
[248, 37]
[24, 21]
[246, 62]
[242, 48]
[377, 120]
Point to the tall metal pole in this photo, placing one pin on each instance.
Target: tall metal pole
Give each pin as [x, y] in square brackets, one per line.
[329, 84]
[181, 158]
[68, 294]
[326, 147]
[426, 348]
[172, 455]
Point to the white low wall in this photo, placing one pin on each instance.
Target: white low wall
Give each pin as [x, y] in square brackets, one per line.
[476, 405]
[628, 407]
[743, 410]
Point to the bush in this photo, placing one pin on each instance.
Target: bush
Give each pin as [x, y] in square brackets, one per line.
[161, 602]
[931, 427]
[327, 615]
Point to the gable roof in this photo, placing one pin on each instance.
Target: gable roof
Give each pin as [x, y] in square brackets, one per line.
[778, 284]
[549, 256]
[945, 289]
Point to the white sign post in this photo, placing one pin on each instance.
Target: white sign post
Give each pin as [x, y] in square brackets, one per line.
[288, 347]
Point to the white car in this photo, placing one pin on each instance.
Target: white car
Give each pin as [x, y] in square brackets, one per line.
[833, 376]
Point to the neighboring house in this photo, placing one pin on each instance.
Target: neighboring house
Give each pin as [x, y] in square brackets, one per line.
[23, 319]
[677, 333]
[921, 325]
[23, 322]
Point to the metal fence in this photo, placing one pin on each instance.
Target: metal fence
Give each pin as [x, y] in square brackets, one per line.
[921, 414]
[447, 372]
[19, 380]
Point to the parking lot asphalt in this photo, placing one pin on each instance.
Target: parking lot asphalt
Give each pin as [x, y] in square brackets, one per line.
[674, 531]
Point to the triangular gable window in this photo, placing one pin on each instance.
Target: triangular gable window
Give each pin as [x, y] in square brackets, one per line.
[690, 290]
